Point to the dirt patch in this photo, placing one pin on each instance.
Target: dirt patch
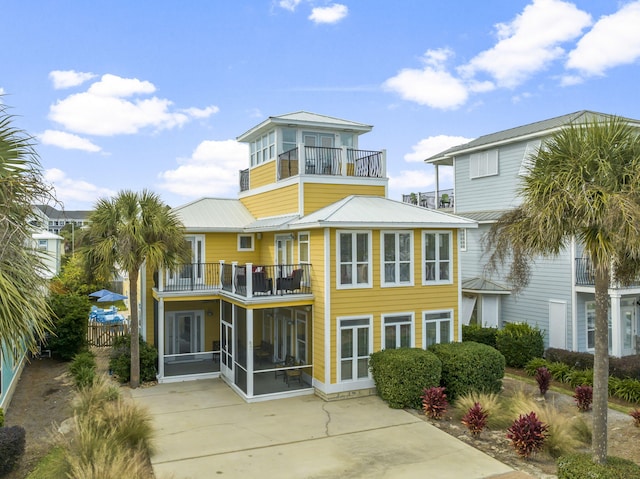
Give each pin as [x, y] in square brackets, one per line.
[622, 440]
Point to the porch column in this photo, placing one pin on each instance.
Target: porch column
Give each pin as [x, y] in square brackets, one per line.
[437, 198]
[160, 345]
[220, 274]
[234, 266]
[616, 330]
[249, 279]
[302, 161]
[345, 160]
[161, 273]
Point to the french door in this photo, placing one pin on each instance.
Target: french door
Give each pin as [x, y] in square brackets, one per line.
[226, 350]
[184, 334]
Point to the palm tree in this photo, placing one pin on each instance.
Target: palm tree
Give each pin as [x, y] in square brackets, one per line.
[584, 184]
[127, 232]
[24, 313]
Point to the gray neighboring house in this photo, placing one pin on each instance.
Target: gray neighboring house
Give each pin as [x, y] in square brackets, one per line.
[560, 296]
[53, 220]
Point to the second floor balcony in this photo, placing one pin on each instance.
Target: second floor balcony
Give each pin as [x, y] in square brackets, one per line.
[232, 278]
[431, 199]
[586, 275]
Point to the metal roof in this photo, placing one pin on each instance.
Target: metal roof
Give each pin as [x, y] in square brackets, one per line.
[483, 285]
[378, 212]
[55, 214]
[302, 119]
[214, 214]
[532, 130]
[483, 216]
[272, 223]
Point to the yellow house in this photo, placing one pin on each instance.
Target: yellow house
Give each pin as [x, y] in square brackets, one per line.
[295, 283]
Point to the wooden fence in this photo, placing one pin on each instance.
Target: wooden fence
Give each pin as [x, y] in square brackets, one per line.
[103, 334]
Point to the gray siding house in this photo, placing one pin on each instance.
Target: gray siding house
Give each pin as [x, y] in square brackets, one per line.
[560, 296]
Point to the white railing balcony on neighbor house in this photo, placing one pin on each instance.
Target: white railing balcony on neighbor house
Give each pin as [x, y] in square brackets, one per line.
[431, 199]
[232, 278]
[586, 275]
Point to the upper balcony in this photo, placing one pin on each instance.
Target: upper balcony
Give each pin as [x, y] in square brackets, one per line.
[314, 160]
[231, 278]
[586, 275]
[431, 199]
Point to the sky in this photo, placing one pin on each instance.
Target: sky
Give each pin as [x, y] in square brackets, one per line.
[152, 94]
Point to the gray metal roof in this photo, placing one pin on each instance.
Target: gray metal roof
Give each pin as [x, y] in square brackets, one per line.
[272, 223]
[302, 119]
[483, 285]
[379, 212]
[483, 216]
[532, 130]
[55, 214]
[214, 214]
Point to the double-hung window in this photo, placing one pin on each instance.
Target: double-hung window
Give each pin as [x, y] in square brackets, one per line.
[397, 252]
[437, 257]
[398, 331]
[354, 259]
[438, 327]
[590, 312]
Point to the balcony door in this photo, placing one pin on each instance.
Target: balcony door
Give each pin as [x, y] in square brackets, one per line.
[192, 274]
[284, 255]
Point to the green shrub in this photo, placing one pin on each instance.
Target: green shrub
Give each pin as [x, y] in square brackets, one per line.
[401, 375]
[120, 361]
[580, 377]
[519, 343]
[70, 323]
[579, 466]
[1, 417]
[478, 334]
[468, 367]
[12, 442]
[532, 366]
[560, 371]
[625, 389]
[83, 369]
[625, 367]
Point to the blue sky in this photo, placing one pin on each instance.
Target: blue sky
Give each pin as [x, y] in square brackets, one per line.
[152, 94]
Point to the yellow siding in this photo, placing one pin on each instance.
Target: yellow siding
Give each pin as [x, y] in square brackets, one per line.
[316, 246]
[262, 175]
[319, 195]
[377, 301]
[280, 201]
[224, 246]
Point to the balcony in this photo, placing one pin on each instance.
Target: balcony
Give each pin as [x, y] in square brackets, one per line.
[231, 278]
[445, 199]
[586, 275]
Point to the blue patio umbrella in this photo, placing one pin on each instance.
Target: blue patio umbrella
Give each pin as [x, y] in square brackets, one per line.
[99, 294]
[110, 297]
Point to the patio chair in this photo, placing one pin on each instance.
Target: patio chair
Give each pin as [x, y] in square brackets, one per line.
[290, 283]
[261, 284]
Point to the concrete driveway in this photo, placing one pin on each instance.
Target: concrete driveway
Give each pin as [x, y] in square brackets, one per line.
[205, 430]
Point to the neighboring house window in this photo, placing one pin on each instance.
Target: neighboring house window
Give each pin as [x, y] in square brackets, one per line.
[462, 235]
[397, 250]
[42, 244]
[245, 242]
[530, 151]
[437, 259]
[590, 312]
[354, 336]
[484, 163]
[263, 149]
[438, 328]
[354, 259]
[398, 331]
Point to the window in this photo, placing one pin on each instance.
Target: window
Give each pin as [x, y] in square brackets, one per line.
[438, 328]
[397, 249]
[288, 139]
[245, 242]
[354, 336]
[590, 312]
[530, 151]
[462, 235]
[437, 259]
[263, 149]
[42, 244]
[301, 338]
[398, 331]
[354, 260]
[303, 247]
[484, 163]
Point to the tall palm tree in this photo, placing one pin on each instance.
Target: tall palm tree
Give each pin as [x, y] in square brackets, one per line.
[24, 314]
[584, 184]
[126, 232]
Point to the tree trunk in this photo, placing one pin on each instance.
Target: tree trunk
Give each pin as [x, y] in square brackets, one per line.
[601, 367]
[134, 382]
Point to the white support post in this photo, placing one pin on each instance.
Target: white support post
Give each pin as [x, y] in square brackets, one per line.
[249, 279]
[616, 330]
[344, 161]
[220, 274]
[161, 326]
[234, 267]
[302, 161]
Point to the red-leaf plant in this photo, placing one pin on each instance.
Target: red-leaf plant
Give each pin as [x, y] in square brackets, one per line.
[583, 396]
[635, 414]
[527, 434]
[434, 402]
[543, 378]
[475, 419]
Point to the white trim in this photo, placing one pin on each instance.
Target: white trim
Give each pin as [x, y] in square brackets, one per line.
[437, 321]
[397, 282]
[412, 318]
[574, 296]
[245, 235]
[354, 266]
[339, 328]
[327, 307]
[439, 234]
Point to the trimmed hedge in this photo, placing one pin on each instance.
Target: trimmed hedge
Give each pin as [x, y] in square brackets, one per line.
[401, 375]
[579, 466]
[12, 442]
[571, 358]
[519, 343]
[468, 367]
[478, 334]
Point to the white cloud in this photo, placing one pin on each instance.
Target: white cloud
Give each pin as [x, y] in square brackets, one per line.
[69, 78]
[73, 192]
[433, 145]
[330, 14]
[212, 170]
[419, 181]
[614, 40]
[289, 4]
[105, 109]
[529, 43]
[432, 86]
[68, 141]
